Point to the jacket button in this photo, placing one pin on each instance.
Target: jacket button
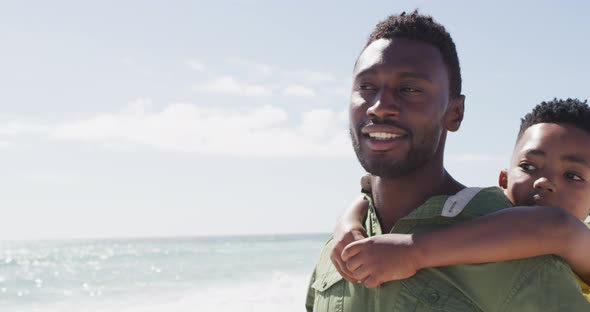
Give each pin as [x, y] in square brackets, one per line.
[433, 297]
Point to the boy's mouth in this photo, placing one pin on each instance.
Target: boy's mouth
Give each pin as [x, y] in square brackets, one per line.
[539, 200]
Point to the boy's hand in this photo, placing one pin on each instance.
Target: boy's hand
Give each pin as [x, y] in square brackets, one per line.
[345, 234]
[379, 259]
[350, 229]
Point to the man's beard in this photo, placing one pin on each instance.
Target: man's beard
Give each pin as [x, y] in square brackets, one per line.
[377, 165]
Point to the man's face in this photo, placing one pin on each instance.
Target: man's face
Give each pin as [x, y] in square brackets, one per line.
[398, 103]
[550, 167]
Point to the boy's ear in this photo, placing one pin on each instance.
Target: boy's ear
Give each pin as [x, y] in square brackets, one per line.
[503, 179]
[454, 113]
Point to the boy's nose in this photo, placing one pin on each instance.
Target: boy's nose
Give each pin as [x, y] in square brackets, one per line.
[545, 184]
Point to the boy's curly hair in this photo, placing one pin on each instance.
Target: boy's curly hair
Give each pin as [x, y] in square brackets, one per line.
[570, 111]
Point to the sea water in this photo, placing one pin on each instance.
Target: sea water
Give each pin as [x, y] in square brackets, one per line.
[248, 273]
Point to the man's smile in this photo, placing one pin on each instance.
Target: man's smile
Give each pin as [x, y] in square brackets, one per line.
[383, 137]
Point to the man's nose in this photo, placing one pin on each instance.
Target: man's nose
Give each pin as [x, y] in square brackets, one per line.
[385, 105]
[545, 184]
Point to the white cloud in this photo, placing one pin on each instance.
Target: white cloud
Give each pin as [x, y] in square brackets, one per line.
[311, 76]
[229, 85]
[196, 65]
[14, 128]
[261, 132]
[340, 92]
[252, 79]
[299, 90]
[49, 177]
[5, 144]
[129, 61]
[12, 131]
[258, 69]
[321, 123]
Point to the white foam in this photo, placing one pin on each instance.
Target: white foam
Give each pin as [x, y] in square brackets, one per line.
[281, 292]
[277, 292]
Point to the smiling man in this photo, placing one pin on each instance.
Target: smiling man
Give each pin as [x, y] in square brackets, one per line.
[406, 96]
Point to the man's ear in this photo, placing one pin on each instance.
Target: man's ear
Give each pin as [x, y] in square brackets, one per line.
[503, 179]
[454, 113]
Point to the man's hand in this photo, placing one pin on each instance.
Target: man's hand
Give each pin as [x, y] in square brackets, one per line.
[379, 259]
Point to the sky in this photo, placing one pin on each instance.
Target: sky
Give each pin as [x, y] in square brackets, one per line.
[190, 118]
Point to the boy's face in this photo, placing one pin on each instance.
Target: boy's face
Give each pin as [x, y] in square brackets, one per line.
[550, 167]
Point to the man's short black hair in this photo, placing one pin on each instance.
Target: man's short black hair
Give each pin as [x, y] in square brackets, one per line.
[423, 28]
[571, 111]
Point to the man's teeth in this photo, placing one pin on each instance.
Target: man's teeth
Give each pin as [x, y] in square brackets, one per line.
[384, 135]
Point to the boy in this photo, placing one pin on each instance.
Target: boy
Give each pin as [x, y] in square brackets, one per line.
[550, 167]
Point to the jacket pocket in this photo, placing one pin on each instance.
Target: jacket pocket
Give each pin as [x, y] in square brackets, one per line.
[329, 292]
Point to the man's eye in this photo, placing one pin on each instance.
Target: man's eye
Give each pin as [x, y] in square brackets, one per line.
[366, 86]
[527, 167]
[573, 176]
[410, 90]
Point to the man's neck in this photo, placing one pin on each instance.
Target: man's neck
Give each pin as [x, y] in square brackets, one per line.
[396, 198]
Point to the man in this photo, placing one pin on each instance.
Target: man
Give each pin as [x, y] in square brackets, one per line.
[406, 96]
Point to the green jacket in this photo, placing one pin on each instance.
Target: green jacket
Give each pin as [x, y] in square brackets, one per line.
[536, 284]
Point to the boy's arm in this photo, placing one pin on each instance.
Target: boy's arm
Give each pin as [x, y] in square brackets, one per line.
[577, 252]
[348, 229]
[509, 234]
[514, 233]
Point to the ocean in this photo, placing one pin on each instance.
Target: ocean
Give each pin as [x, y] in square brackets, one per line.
[246, 273]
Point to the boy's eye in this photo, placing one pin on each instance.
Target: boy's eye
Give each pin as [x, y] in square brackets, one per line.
[573, 176]
[527, 167]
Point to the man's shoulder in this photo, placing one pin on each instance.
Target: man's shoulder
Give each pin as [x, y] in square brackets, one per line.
[324, 264]
[518, 285]
[486, 201]
[547, 283]
[468, 203]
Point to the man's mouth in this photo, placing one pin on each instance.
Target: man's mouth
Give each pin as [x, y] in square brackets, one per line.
[384, 135]
[382, 138]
